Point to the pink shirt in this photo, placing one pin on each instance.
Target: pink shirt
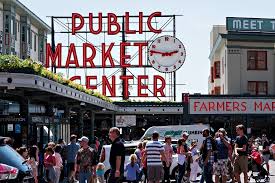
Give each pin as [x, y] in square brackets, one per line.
[58, 160]
[49, 160]
[168, 151]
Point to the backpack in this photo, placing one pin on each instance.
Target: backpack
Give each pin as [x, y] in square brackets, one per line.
[214, 149]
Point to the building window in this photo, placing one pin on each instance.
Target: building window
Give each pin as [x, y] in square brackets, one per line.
[7, 24]
[217, 71]
[256, 60]
[34, 42]
[30, 37]
[222, 65]
[217, 90]
[15, 29]
[12, 27]
[257, 87]
[212, 75]
[23, 39]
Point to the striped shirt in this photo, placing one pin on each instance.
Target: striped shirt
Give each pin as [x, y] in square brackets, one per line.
[153, 151]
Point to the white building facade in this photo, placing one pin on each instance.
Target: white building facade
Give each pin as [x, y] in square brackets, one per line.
[242, 57]
[22, 33]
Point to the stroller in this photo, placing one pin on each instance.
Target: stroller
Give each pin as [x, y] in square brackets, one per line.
[258, 172]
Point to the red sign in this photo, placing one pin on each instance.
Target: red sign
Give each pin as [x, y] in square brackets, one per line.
[232, 106]
[54, 58]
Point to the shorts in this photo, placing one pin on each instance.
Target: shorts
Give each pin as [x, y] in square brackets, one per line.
[266, 157]
[220, 167]
[241, 164]
[230, 167]
[155, 173]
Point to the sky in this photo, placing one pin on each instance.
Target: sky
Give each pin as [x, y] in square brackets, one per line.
[193, 28]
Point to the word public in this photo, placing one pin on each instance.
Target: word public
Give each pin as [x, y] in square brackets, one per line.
[89, 52]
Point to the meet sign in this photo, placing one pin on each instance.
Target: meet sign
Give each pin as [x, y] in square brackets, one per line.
[241, 24]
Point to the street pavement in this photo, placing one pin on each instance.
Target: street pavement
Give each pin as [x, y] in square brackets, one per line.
[272, 174]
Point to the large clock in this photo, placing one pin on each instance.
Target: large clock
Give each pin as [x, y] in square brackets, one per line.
[166, 54]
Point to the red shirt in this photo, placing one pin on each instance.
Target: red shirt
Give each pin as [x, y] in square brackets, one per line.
[257, 157]
[49, 160]
[144, 163]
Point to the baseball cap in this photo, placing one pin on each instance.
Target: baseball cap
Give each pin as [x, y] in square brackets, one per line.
[185, 134]
[83, 138]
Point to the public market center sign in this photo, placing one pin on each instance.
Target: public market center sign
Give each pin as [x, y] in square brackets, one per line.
[250, 24]
[166, 51]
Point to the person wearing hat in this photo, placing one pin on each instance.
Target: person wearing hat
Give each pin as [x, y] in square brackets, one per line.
[85, 161]
[207, 149]
[220, 167]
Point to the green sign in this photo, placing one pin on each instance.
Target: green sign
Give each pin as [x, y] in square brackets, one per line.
[250, 24]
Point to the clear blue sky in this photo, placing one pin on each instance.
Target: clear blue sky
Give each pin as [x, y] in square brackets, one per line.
[193, 28]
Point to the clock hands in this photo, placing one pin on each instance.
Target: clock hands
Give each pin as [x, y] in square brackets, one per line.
[164, 53]
[173, 52]
[158, 52]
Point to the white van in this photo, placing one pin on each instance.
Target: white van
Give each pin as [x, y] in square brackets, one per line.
[176, 131]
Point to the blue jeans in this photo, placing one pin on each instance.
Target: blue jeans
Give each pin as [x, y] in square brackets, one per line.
[202, 179]
[181, 172]
[207, 173]
[83, 176]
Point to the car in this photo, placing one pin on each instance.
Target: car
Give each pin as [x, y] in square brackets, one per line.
[130, 149]
[13, 168]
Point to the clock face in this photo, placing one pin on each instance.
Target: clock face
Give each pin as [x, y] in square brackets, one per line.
[166, 54]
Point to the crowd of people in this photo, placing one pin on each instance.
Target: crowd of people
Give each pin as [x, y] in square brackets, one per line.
[218, 156]
[63, 163]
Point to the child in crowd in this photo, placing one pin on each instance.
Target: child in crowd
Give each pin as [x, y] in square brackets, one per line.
[132, 169]
[100, 172]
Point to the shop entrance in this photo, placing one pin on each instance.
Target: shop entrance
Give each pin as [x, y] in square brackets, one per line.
[17, 131]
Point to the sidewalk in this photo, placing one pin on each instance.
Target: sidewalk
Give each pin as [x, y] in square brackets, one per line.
[272, 174]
